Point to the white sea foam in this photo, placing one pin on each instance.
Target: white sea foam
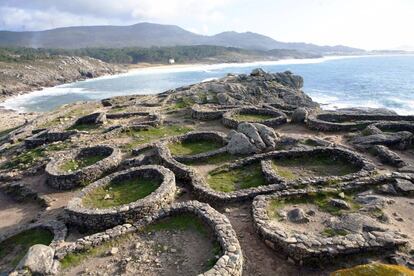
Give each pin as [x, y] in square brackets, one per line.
[328, 99]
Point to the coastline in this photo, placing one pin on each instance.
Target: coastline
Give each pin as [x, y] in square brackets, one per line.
[148, 68]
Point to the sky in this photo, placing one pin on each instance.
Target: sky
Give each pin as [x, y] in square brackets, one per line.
[367, 24]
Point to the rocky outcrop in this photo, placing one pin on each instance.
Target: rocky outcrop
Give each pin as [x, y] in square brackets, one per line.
[257, 88]
[20, 77]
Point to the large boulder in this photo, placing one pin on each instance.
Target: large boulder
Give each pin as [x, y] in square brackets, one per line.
[388, 157]
[404, 186]
[38, 260]
[297, 215]
[240, 144]
[267, 134]
[252, 133]
[299, 115]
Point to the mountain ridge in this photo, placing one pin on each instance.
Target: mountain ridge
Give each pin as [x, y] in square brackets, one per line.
[148, 35]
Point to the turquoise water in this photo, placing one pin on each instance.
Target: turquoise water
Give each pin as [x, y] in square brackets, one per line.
[374, 81]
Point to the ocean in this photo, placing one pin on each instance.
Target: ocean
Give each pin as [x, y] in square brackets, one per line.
[334, 82]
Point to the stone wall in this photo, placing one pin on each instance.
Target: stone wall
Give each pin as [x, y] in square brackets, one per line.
[279, 117]
[363, 166]
[47, 137]
[61, 180]
[312, 248]
[203, 192]
[151, 119]
[94, 218]
[57, 228]
[214, 136]
[336, 121]
[209, 112]
[229, 264]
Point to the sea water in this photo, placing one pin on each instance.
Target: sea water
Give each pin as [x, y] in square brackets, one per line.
[334, 82]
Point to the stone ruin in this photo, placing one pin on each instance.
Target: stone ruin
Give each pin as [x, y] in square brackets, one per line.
[318, 194]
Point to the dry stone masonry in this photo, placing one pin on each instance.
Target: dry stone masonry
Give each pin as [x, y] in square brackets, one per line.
[324, 193]
[64, 180]
[95, 218]
[230, 262]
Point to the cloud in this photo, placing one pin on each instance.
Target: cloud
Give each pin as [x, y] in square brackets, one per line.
[45, 14]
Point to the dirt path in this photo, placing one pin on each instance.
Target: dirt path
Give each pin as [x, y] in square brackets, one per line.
[260, 260]
[14, 214]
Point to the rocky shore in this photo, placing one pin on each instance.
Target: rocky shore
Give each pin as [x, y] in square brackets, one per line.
[25, 76]
[243, 175]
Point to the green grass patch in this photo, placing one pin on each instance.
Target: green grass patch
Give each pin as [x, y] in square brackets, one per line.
[77, 112]
[84, 127]
[121, 192]
[7, 131]
[57, 146]
[193, 147]
[24, 159]
[226, 180]
[376, 269]
[153, 134]
[321, 200]
[216, 252]
[183, 102]
[318, 165]
[76, 258]
[14, 248]
[330, 232]
[181, 222]
[81, 162]
[310, 142]
[252, 117]
[214, 160]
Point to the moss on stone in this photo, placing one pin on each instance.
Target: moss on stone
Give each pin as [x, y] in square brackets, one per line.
[376, 269]
[229, 180]
[330, 232]
[120, 192]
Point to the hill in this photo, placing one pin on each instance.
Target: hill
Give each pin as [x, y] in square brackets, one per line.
[147, 35]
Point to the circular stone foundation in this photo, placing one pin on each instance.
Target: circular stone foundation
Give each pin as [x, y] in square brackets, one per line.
[91, 209]
[81, 167]
[210, 112]
[299, 243]
[336, 121]
[321, 165]
[51, 233]
[197, 145]
[229, 263]
[269, 117]
[138, 118]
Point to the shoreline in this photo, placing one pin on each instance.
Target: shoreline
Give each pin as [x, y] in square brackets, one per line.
[149, 68]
